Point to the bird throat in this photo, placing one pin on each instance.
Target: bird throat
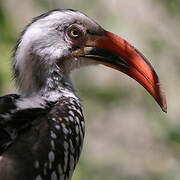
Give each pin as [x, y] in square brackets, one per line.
[57, 84]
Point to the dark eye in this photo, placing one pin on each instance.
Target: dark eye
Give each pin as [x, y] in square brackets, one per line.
[75, 33]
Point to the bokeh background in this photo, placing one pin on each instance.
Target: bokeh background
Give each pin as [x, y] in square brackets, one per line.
[128, 137]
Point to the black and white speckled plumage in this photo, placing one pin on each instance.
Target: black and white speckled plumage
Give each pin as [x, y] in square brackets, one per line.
[51, 138]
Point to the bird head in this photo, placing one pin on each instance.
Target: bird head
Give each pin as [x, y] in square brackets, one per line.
[62, 40]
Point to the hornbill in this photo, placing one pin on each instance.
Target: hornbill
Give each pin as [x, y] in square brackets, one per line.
[42, 127]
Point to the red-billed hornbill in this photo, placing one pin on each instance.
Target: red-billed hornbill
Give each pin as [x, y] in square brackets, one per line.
[42, 129]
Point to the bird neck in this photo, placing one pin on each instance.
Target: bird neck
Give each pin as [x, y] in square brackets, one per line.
[49, 83]
[57, 84]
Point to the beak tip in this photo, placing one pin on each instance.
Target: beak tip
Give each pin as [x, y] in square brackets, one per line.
[162, 100]
[164, 108]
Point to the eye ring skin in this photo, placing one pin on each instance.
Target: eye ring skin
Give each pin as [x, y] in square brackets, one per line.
[80, 40]
[75, 32]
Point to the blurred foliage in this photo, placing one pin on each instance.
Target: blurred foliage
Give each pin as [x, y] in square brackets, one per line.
[7, 34]
[7, 40]
[173, 6]
[105, 96]
[157, 45]
[44, 3]
[172, 137]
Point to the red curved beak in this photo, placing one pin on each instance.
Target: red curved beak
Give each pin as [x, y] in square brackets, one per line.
[132, 63]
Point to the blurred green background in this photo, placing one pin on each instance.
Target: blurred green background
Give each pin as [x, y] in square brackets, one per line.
[127, 135]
